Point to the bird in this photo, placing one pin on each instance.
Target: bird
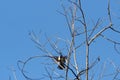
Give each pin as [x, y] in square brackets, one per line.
[61, 61]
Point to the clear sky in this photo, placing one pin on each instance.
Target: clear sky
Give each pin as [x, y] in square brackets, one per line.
[19, 17]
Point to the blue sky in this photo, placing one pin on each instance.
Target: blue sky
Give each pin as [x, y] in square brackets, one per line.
[19, 17]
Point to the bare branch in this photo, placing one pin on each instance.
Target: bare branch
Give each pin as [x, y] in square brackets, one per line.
[69, 55]
[65, 63]
[105, 28]
[24, 64]
[99, 33]
[92, 65]
[35, 39]
[112, 41]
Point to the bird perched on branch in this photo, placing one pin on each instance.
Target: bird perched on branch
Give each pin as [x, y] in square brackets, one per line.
[61, 61]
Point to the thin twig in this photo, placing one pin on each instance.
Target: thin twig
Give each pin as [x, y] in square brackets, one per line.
[114, 30]
[94, 28]
[50, 76]
[102, 71]
[92, 65]
[24, 63]
[109, 14]
[117, 50]
[112, 41]
[54, 46]
[67, 19]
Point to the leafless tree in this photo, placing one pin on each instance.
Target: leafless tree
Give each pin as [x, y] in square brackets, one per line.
[70, 63]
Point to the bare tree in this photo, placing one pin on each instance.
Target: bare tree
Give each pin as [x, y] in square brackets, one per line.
[70, 63]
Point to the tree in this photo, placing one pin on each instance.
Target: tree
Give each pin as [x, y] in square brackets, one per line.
[75, 65]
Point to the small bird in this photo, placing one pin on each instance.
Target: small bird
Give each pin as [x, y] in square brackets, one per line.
[61, 61]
